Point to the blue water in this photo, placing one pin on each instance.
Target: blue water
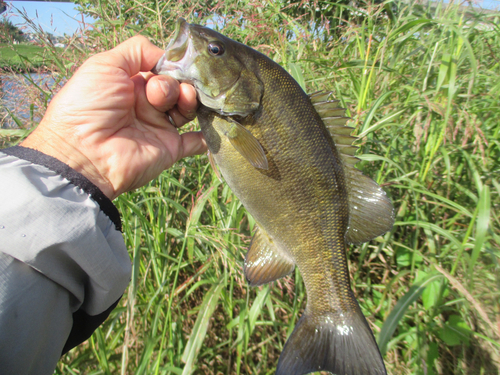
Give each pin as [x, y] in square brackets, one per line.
[21, 99]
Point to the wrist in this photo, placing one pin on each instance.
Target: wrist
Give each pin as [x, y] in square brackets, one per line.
[57, 147]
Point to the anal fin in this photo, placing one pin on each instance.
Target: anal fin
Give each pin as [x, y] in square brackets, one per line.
[264, 261]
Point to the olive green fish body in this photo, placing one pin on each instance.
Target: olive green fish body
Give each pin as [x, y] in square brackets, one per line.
[300, 200]
[275, 152]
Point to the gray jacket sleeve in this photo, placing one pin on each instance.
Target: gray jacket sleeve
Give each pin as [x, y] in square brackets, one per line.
[63, 261]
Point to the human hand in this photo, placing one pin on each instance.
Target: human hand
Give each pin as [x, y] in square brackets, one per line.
[109, 122]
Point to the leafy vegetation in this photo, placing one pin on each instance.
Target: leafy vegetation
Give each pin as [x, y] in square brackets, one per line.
[422, 86]
[9, 32]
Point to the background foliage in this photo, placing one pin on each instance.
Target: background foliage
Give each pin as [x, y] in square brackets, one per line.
[9, 32]
[422, 86]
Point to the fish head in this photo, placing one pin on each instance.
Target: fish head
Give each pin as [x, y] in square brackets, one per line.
[216, 66]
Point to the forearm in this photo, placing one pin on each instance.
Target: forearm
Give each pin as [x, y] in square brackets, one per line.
[63, 262]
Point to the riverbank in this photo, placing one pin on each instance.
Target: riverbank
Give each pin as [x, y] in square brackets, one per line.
[24, 58]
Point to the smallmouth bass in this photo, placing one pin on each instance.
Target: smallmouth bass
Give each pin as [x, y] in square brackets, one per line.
[289, 158]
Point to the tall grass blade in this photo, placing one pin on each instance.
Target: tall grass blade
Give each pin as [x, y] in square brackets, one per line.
[296, 72]
[399, 310]
[200, 328]
[482, 224]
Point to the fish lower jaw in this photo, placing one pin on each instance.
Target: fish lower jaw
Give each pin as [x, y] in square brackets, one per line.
[169, 68]
[184, 65]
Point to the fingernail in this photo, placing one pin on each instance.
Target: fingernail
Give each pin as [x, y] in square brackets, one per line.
[165, 88]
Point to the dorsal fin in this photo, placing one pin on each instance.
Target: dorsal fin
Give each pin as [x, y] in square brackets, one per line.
[335, 121]
[319, 96]
[370, 211]
[333, 118]
[347, 149]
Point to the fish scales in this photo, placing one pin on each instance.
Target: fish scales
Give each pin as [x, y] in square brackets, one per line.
[299, 171]
[278, 157]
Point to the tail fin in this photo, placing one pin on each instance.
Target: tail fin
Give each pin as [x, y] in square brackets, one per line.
[320, 343]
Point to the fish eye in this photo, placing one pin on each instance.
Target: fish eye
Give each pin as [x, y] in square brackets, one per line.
[216, 49]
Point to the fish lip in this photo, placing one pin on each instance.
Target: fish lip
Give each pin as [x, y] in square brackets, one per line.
[166, 67]
[178, 45]
[178, 51]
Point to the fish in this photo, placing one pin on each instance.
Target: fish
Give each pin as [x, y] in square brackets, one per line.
[289, 158]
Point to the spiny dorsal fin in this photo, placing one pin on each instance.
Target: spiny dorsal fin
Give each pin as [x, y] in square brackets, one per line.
[349, 160]
[264, 261]
[329, 109]
[319, 96]
[333, 118]
[370, 211]
[338, 128]
[347, 149]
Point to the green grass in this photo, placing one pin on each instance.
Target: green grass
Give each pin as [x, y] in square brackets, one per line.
[19, 56]
[422, 87]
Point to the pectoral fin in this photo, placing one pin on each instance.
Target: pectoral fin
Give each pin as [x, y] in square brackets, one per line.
[264, 261]
[246, 144]
[214, 165]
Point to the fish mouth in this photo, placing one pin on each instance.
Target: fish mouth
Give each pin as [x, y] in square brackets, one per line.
[177, 47]
[179, 53]
[181, 61]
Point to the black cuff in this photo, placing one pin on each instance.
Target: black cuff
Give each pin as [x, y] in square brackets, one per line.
[84, 326]
[77, 179]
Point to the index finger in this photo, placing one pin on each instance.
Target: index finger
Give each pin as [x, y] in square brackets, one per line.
[135, 55]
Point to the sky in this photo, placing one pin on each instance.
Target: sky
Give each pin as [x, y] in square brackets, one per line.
[54, 17]
[59, 18]
[486, 4]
